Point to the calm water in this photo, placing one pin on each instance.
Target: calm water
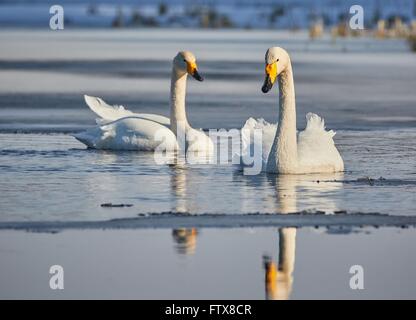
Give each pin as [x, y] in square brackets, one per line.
[53, 177]
[363, 88]
[208, 264]
[46, 174]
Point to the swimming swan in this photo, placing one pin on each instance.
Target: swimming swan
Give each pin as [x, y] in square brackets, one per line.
[121, 129]
[284, 150]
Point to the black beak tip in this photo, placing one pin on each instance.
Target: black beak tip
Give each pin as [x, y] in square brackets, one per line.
[265, 89]
[197, 76]
[267, 85]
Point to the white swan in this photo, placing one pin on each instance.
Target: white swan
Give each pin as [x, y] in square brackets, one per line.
[283, 149]
[121, 129]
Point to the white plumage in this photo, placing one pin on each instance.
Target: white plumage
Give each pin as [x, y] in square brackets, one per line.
[315, 145]
[108, 113]
[120, 129]
[135, 132]
[284, 150]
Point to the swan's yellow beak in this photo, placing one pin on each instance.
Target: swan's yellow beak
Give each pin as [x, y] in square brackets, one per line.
[192, 69]
[271, 75]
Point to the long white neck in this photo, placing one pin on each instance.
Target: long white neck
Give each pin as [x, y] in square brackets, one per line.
[283, 156]
[178, 121]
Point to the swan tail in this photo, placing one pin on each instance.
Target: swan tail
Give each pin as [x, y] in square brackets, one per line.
[315, 123]
[105, 111]
[316, 147]
[85, 138]
[98, 137]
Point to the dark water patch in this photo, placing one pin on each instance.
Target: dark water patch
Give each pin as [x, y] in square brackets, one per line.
[42, 153]
[169, 220]
[116, 205]
[68, 113]
[378, 182]
[140, 69]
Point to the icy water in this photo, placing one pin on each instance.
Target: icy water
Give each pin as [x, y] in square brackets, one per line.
[364, 89]
[368, 97]
[53, 177]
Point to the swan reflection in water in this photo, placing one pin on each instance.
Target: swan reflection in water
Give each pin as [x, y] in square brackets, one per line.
[185, 239]
[290, 193]
[279, 276]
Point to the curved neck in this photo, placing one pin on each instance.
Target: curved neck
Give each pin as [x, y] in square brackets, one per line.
[284, 155]
[178, 120]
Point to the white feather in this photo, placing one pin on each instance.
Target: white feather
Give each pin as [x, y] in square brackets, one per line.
[286, 150]
[315, 145]
[108, 113]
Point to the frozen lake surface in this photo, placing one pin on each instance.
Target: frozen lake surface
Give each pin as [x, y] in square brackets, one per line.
[364, 88]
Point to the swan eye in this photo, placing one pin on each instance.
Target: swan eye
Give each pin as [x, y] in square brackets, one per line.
[277, 60]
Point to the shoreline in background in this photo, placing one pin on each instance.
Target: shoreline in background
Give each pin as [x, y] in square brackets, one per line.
[205, 14]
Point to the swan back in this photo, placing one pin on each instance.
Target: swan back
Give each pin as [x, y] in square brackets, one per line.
[316, 147]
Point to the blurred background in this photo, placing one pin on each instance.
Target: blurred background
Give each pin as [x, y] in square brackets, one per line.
[122, 51]
[283, 14]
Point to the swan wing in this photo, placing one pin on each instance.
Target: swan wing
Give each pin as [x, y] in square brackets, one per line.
[108, 113]
[316, 147]
[129, 133]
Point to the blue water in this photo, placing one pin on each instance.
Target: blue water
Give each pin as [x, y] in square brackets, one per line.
[367, 96]
[53, 177]
[364, 88]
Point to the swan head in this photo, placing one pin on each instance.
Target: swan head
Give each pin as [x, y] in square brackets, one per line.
[185, 63]
[277, 60]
